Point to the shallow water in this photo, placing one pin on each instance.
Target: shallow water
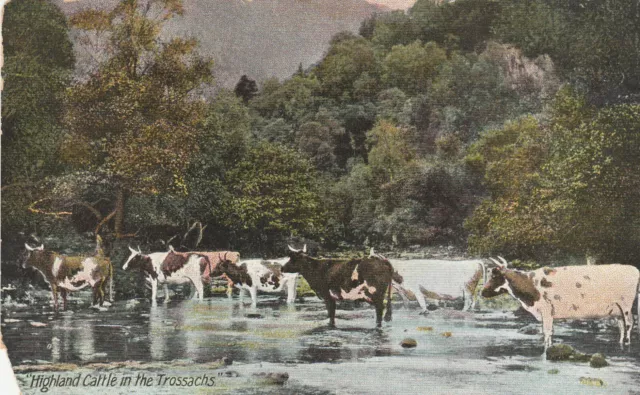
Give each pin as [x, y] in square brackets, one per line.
[455, 349]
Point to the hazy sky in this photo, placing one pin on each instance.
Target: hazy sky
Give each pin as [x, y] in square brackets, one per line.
[395, 4]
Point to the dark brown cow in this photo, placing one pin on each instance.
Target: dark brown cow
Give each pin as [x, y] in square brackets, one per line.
[345, 279]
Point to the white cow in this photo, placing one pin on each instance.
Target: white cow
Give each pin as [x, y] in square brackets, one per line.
[570, 292]
[168, 268]
[445, 279]
[255, 275]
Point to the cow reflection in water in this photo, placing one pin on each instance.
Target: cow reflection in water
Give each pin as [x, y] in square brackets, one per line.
[72, 339]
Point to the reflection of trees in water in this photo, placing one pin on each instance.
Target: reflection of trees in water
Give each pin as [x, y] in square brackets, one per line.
[166, 340]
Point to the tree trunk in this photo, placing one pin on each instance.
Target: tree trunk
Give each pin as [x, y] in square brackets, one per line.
[119, 220]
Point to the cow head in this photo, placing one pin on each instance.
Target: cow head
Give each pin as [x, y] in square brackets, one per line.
[222, 267]
[136, 258]
[496, 284]
[297, 260]
[33, 254]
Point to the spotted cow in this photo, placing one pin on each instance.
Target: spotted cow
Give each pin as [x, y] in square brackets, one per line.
[66, 273]
[255, 275]
[570, 292]
[334, 280]
[168, 268]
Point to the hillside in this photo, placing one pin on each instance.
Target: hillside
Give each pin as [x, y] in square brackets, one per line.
[260, 38]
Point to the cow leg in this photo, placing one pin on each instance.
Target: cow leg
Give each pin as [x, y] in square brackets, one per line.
[253, 291]
[100, 291]
[547, 330]
[199, 289]
[400, 291]
[165, 286]
[629, 320]
[291, 291]
[54, 290]
[379, 310]
[421, 301]
[154, 292]
[331, 309]
[63, 292]
[623, 331]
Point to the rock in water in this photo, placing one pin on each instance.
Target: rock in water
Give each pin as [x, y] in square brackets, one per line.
[273, 378]
[531, 329]
[598, 361]
[409, 343]
[564, 352]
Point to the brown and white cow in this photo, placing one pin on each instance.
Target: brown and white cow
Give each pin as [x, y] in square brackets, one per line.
[345, 279]
[70, 273]
[255, 275]
[168, 268]
[570, 292]
[213, 259]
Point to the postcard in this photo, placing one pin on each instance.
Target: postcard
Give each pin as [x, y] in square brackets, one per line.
[320, 197]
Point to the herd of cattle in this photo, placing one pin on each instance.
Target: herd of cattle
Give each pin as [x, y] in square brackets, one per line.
[569, 292]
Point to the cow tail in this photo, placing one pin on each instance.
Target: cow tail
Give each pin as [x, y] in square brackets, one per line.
[387, 314]
[110, 281]
[638, 308]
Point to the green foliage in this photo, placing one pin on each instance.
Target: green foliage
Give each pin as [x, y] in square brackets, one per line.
[569, 186]
[136, 110]
[412, 67]
[391, 29]
[38, 62]
[348, 60]
[467, 23]
[595, 44]
[272, 195]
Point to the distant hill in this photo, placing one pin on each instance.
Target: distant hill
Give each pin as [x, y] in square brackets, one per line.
[260, 38]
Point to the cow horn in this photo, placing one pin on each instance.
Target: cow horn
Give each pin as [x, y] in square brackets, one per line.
[139, 250]
[503, 260]
[304, 249]
[496, 262]
[292, 249]
[132, 250]
[28, 248]
[171, 248]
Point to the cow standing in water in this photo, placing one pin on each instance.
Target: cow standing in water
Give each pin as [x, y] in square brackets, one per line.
[345, 279]
[70, 273]
[570, 292]
[256, 275]
[441, 279]
[168, 268]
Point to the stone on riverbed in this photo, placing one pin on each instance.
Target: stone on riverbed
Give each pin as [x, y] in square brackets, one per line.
[531, 329]
[273, 378]
[564, 352]
[598, 361]
[409, 343]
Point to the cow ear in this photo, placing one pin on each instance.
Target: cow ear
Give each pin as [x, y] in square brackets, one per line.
[40, 248]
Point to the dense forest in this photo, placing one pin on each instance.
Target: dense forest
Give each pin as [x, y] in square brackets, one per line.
[498, 126]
